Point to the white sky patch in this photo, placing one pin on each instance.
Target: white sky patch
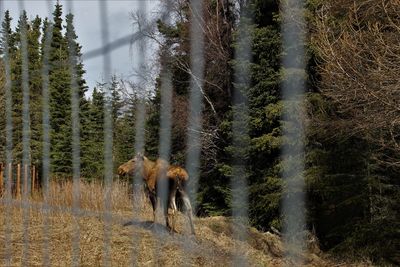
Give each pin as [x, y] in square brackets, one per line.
[88, 29]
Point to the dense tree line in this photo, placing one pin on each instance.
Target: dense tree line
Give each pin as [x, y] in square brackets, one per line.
[52, 45]
[352, 176]
[263, 173]
[352, 101]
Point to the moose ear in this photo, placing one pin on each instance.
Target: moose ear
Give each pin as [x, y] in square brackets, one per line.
[140, 155]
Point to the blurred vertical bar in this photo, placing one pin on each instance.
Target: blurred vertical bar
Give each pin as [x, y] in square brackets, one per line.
[293, 204]
[240, 136]
[108, 133]
[9, 141]
[195, 99]
[140, 98]
[166, 99]
[72, 52]
[46, 136]
[193, 145]
[141, 106]
[25, 132]
[164, 148]
[164, 144]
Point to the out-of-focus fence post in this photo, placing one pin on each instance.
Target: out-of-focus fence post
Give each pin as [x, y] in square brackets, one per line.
[26, 179]
[37, 179]
[33, 175]
[1, 178]
[18, 185]
[10, 180]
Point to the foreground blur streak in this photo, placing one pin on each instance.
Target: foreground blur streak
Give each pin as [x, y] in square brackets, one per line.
[293, 204]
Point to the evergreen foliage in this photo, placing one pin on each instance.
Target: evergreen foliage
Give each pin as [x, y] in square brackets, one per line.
[60, 99]
[7, 50]
[59, 85]
[124, 127]
[93, 150]
[35, 86]
[17, 87]
[78, 84]
[352, 192]
[264, 115]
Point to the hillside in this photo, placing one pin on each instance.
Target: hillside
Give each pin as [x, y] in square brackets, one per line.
[213, 245]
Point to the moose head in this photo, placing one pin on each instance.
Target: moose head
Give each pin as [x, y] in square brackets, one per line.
[129, 167]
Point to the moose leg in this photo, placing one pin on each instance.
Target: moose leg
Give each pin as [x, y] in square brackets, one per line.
[188, 208]
[166, 215]
[162, 195]
[153, 200]
[170, 218]
[170, 204]
[174, 209]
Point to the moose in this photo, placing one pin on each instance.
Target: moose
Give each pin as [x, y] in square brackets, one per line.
[156, 174]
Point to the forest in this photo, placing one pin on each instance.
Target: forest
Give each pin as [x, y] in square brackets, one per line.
[352, 100]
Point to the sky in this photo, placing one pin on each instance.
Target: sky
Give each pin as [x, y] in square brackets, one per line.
[88, 28]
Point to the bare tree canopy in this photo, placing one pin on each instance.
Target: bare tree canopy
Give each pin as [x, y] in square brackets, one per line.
[360, 56]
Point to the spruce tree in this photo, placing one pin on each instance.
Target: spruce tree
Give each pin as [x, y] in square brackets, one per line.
[17, 87]
[7, 36]
[7, 48]
[93, 149]
[35, 86]
[2, 113]
[77, 61]
[124, 127]
[76, 66]
[116, 99]
[116, 109]
[262, 155]
[265, 111]
[60, 100]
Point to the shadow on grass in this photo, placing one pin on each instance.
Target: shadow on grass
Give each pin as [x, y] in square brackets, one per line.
[148, 225]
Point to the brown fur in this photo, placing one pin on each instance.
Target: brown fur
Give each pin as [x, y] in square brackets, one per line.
[155, 174]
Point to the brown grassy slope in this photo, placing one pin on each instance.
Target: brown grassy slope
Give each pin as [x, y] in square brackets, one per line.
[130, 234]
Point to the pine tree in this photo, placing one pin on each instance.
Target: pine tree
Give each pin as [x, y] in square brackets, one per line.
[65, 58]
[7, 47]
[32, 31]
[220, 22]
[59, 85]
[35, 86]
[71, 39]
[265, 111]
[124, 127]
[116, 110]
[93, 149]
[60, 100]
[76, 66]
[264, 114]
[17, 87]
[2, 114]
[7, 37]
[116, 99]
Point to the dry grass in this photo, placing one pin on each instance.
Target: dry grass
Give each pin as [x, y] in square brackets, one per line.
[91, 196]
[131, 238]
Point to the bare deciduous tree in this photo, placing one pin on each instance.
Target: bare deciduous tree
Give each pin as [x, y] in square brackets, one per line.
[359, 48]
